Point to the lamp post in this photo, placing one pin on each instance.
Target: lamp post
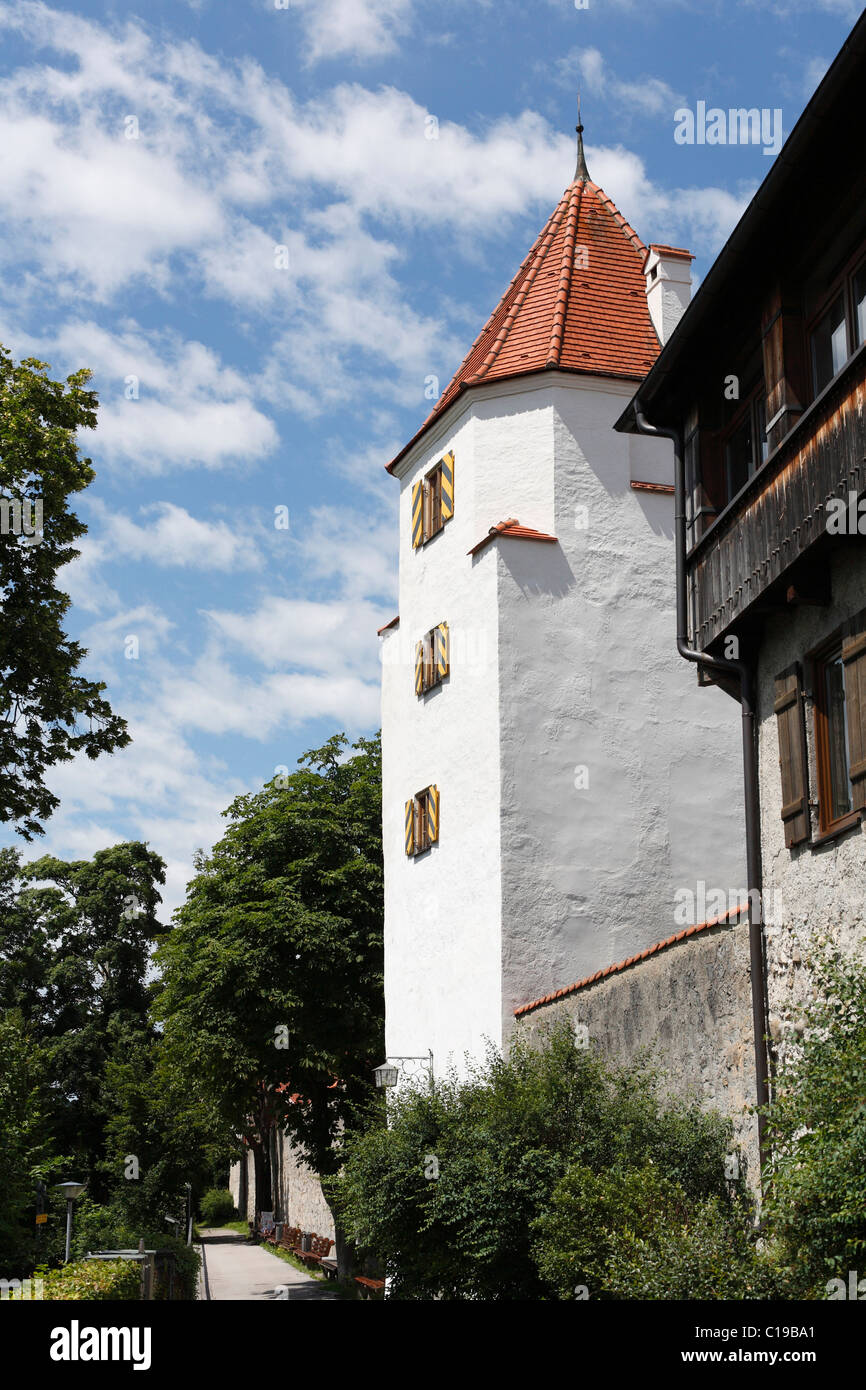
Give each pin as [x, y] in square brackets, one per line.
[386, 1075]
[188, 1186]
[389, 1072]
[71, 1191]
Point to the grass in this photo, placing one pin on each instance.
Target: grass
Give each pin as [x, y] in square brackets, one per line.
[291, 1259]
[242, 1227]
[344, 1290]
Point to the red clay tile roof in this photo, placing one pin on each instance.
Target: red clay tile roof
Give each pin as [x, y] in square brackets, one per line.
[513, 529]
[731, 916]
[577, 304]
[675, 251]
[388, 626]
[652, 487]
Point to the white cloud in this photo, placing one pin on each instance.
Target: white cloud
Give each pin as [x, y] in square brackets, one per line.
[159, 789]
[814, 74]
[355, 549]
[783, 9]
[373, 148]
[178, 539]
[98, 207]
[107, 641]
[229, 164]
[156, 434]
[650, 96]
[166, 403]
[82, 581]
[331, 638]
[212, 699]
[362, 29]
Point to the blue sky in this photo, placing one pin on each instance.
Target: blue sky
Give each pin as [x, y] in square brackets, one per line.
[153, 158]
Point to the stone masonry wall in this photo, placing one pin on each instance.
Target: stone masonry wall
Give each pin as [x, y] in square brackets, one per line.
[298, 1199]
[301, 1200]
[690, 1004]
[814, 893]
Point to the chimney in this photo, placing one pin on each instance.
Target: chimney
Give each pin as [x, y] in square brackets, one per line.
[668, 287]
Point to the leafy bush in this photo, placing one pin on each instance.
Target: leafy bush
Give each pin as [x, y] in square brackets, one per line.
[186, 1268]
[815, 1202]
[104, 1228]
[94, 1279]
[711, 1254]
[448, 1195]
[634, 1234]
[217, 1207]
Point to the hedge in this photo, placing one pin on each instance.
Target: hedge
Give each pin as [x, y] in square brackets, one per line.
[106, 1280]
[217, 1207]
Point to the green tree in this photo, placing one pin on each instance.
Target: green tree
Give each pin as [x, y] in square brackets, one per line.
[158, 1138]
[75, 949]
[272, 993]
[816, 1192]
[27, 1154]
[48, 713]
[454, 1194]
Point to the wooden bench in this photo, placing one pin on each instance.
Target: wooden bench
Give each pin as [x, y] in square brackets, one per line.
[370, 1287]
[320, 1246]
[291, 1237]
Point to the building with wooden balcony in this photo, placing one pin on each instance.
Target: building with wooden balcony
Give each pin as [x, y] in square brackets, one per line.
[762, 387]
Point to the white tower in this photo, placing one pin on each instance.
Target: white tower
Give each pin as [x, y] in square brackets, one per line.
[552, 774]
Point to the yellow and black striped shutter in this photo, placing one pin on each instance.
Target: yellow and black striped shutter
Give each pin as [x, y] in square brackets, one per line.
[410, 826]
[419, 668]
[448, 487]
[442, 651]
[417, 515]
[433, 813]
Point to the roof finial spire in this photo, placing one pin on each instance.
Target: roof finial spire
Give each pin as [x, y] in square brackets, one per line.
[581, 173]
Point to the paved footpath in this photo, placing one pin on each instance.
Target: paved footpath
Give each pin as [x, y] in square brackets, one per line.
[234, 1269]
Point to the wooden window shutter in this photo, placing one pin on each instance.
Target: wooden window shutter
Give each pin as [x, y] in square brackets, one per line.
[792, 756]
[854, 660]
[433, 814]
[419, 668]
[410, 826]
[417, 515]
[447, 487]
[442, 651]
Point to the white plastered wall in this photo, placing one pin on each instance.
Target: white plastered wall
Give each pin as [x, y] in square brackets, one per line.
[442, 908]
[563, 657]
[621, 779]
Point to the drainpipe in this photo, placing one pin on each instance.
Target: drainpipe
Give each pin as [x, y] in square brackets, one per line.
[748, 701]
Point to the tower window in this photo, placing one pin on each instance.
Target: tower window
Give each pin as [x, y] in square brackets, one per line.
[433, 501]
[432, 659]
[422, 821]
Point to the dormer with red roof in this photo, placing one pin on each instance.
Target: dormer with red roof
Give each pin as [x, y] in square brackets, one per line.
[545, 784]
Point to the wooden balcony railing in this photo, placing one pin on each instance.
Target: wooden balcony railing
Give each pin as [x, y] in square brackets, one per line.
[781, 513]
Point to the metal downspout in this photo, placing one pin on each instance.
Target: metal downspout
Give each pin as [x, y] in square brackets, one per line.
[748, 701]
